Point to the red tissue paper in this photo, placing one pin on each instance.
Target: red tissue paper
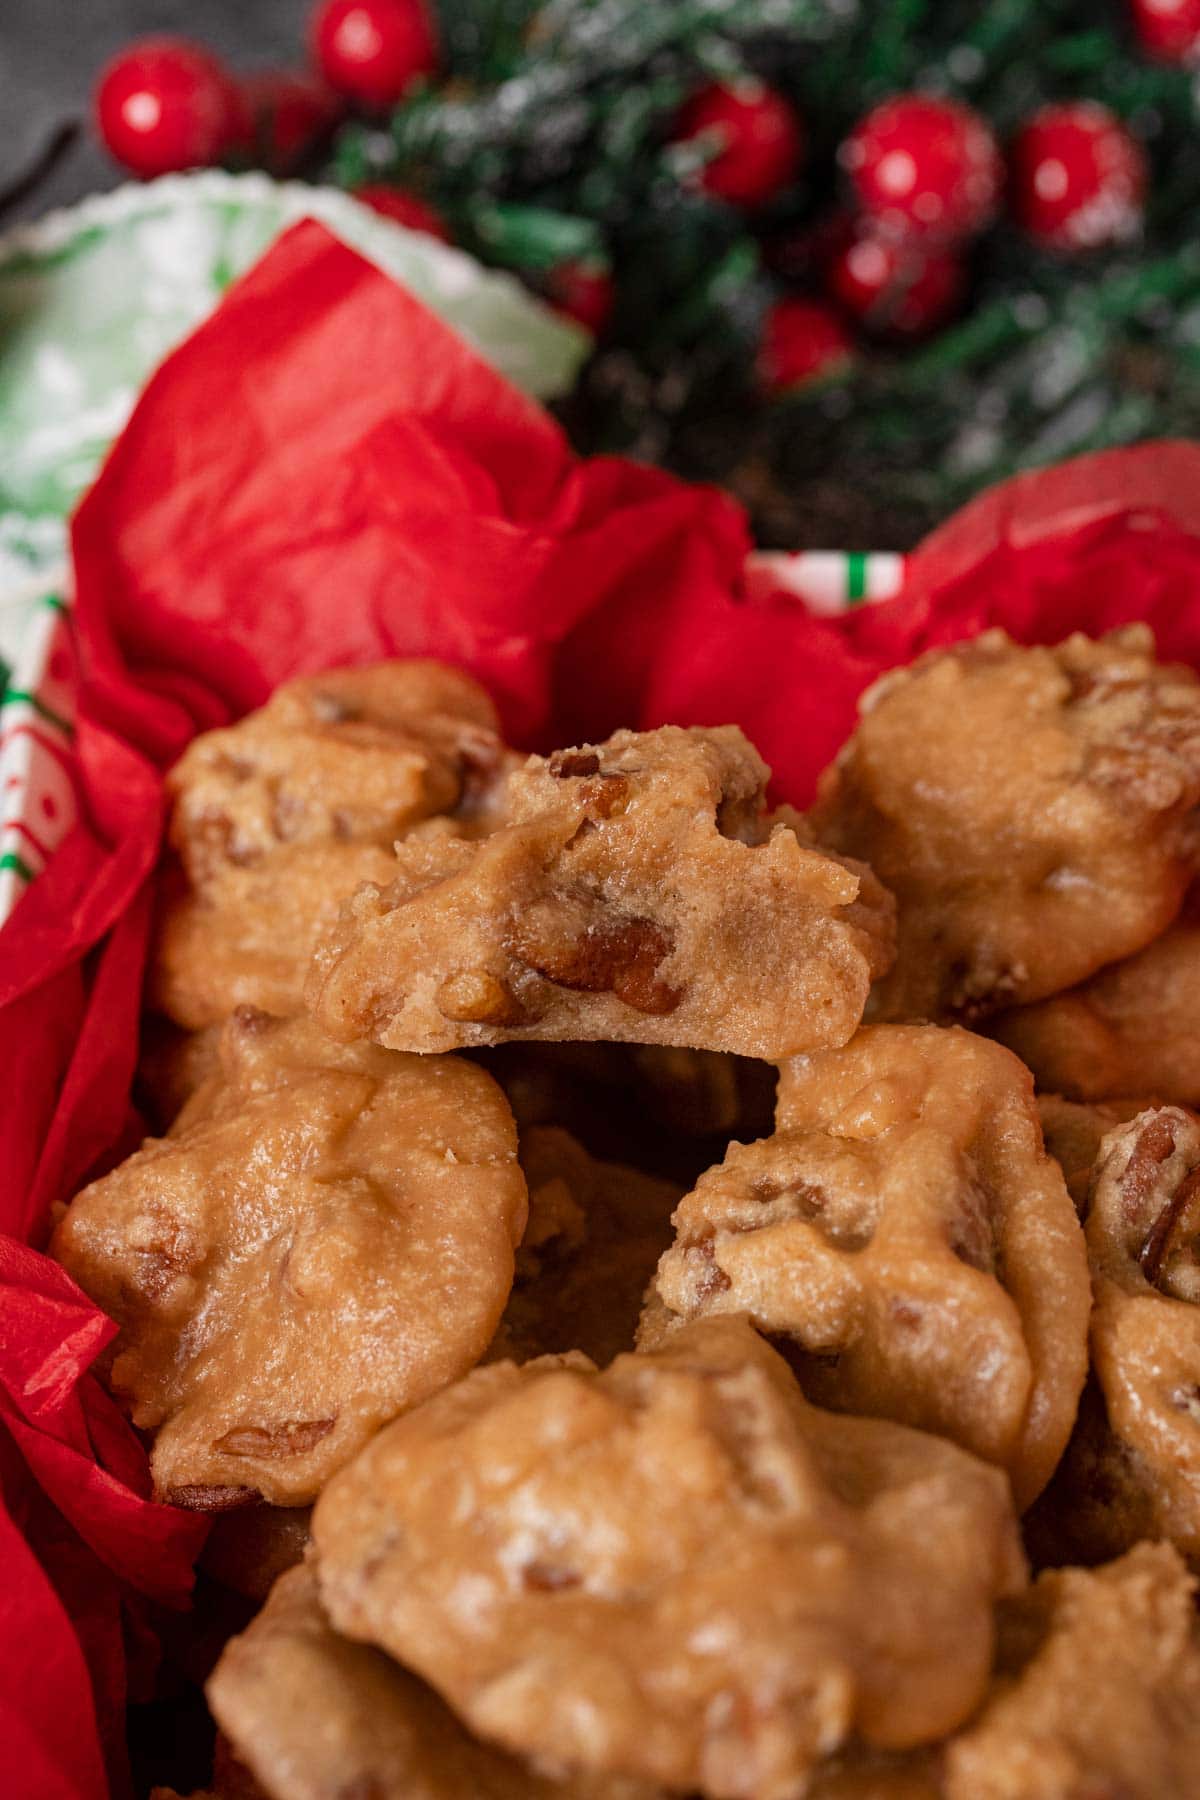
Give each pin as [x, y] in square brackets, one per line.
[324, 474]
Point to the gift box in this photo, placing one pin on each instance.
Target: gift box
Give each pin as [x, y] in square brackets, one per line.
[326, 473]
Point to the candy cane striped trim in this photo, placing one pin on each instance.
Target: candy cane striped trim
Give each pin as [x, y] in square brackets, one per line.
[827, 582]
[37, 789]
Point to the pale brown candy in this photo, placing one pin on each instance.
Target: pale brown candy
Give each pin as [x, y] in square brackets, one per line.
[1130, 1029]
[247, 938]
[1032, 810]
[676, 1569]
[311, 1716]
[349, 756]
[325, 1238]
[595, 1233]
[906, 1238]
[1097, 1695]
[1133, 1467]
[276, 819]
[637, 891]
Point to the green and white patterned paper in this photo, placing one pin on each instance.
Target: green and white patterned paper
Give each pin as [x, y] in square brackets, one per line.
[826, 582]
[37, 732]
[92, 299]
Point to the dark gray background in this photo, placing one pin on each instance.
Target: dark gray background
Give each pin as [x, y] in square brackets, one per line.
[51, 50]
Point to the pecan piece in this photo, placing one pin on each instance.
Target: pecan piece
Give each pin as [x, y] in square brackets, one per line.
[708, 1278]
[480, 758]
[252, 1021]
[549, 1578]
[475, 997]
[567, 765]
[166, 1251]
[606, 793]
[613, 953]
[1172, 1242]
[204, 1497]
[1157, 1193]
[1155, 1143]
[292, 1437]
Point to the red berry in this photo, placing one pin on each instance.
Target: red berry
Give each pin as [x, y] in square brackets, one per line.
[1078, 177]
[407, 209]
[755, 135]
[802, 342]
[583, 292]
[922, 167]
[896, 289]
[374, 50]
[285, 115]
[1168, 29]
[165, 104]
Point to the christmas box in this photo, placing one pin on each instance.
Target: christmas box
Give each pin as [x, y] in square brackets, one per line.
[326, 473]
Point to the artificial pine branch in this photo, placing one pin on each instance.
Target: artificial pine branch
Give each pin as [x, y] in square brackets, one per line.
[550, 141]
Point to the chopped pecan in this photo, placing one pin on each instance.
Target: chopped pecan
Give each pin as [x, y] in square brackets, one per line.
[709, 1279]
[207, 1498]
[606, 793]
[567, 765]
[252, 1021]
[292, 1437]
[1155, 1143]
[904, 1312]
[1159, 1204]
[795, 1197]
[549, 1578]
[475, 997]
[166, 1251]
[480, 763]
[613, 954]
[806, 1200]
[1161, 1250]
[1085, 683]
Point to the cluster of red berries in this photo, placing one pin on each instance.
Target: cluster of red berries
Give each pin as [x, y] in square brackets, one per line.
[924, 176]
[166, 104]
